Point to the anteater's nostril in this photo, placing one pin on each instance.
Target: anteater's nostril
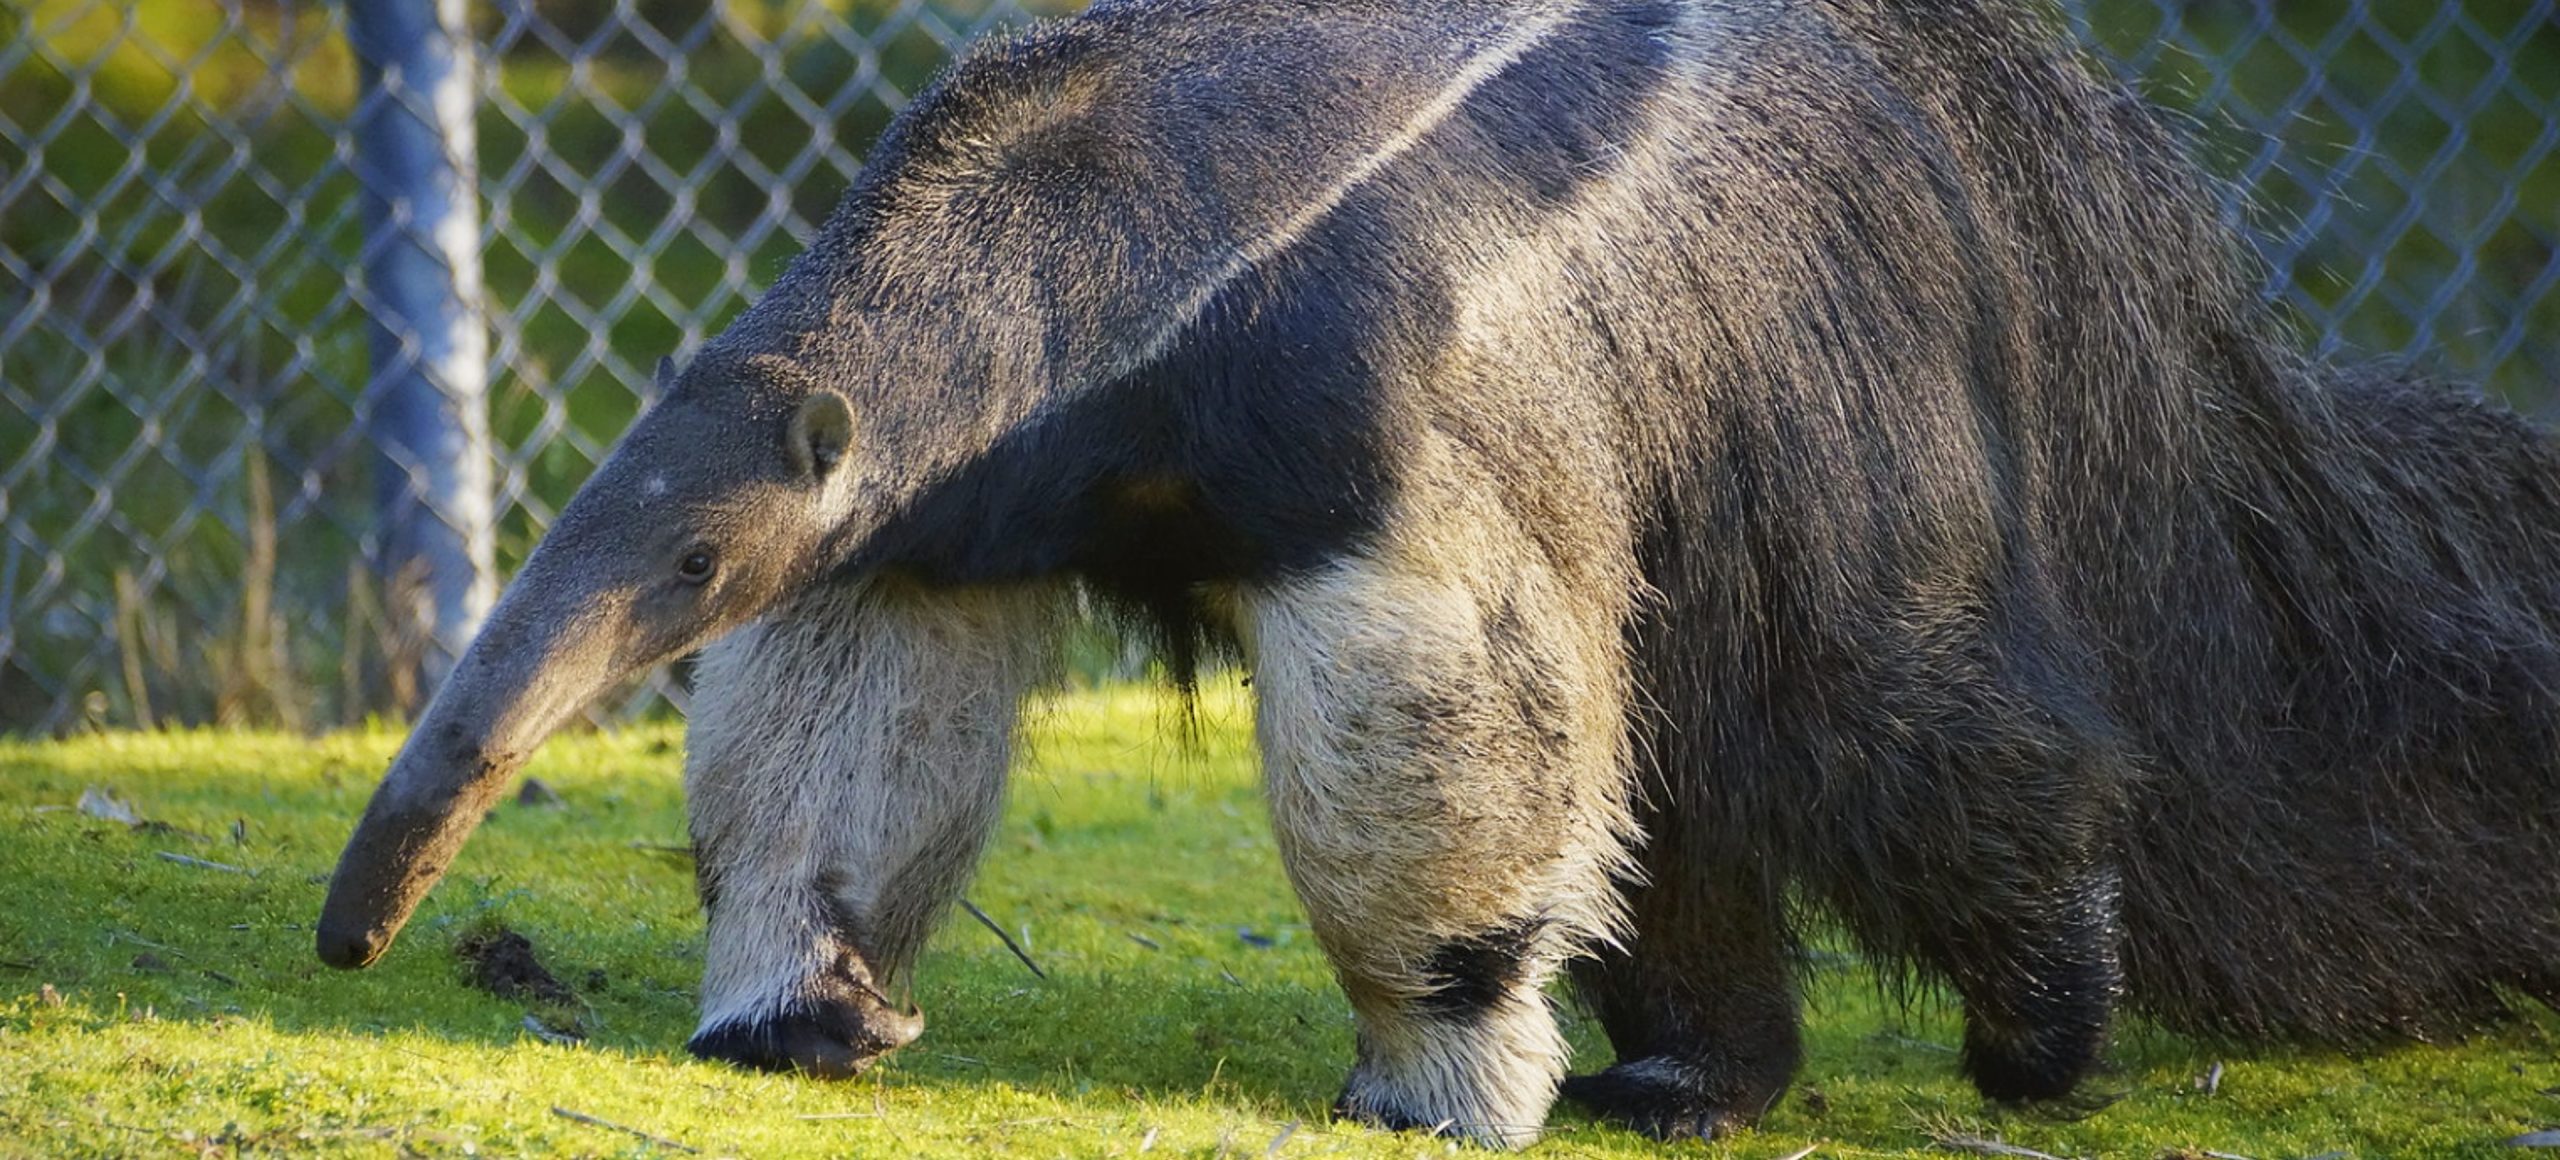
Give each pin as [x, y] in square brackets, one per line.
[346, 951]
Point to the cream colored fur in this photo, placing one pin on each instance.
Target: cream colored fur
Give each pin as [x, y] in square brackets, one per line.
[845, 762]
[1442, 721]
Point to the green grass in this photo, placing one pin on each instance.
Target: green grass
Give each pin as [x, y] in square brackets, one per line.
[154, 1007]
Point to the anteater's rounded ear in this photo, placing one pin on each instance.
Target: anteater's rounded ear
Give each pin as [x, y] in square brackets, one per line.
[819, 432]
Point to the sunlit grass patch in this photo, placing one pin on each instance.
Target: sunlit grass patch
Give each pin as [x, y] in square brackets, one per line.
[151, 1005]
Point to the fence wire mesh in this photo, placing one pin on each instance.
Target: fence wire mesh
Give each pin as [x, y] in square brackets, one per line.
[188, 529]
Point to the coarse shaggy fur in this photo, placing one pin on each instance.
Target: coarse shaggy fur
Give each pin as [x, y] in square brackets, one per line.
[1670, 464]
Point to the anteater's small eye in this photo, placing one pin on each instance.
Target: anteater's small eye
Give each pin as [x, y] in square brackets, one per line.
[695, 567]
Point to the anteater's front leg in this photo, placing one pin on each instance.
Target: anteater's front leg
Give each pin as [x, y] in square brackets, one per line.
[845, 763]
[1442, 734]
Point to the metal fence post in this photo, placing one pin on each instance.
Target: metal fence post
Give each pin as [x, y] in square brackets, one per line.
[428, 409]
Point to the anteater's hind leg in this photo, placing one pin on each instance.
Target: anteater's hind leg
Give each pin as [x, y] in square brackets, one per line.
[1443, 738]
[1951, 813]
[1995, 868]
[1984, 795]
[2039, 983]
[1701, 1005]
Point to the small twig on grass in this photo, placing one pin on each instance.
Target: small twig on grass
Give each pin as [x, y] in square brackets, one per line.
[1009, 944]
[137, 940]
[1801, 1153]
[1286, 1131]
[199, 863]
[584, 1118]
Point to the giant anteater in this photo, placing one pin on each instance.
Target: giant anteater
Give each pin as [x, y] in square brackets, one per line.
[1667, 463]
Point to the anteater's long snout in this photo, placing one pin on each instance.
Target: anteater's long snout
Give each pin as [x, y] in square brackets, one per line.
[531, 667]
[416, 823]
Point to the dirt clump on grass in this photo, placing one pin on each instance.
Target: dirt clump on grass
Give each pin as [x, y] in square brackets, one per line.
[502, 962]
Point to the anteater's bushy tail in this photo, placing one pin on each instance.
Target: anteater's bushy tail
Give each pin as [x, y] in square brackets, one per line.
[2373, 851]
[2325, 602]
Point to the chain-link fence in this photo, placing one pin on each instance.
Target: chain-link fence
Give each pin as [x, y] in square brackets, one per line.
[202, 346]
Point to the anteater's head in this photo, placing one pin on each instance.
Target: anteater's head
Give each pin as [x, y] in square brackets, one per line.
[725, 497]
[935, 356]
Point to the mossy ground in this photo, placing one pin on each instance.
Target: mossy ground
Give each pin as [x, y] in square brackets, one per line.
[150, 1006]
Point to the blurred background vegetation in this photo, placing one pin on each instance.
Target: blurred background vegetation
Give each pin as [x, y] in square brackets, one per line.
[183, 508]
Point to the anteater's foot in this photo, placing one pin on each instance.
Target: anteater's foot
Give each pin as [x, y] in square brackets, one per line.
[2036, 1067]
[1669, 1099]
[1486, 1076]
[830, 1038]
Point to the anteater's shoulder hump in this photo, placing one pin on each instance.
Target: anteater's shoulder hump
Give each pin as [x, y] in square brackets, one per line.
[1254, 99]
